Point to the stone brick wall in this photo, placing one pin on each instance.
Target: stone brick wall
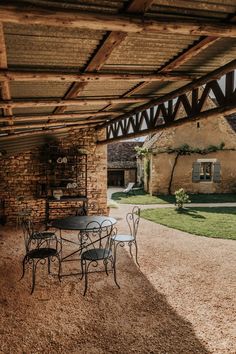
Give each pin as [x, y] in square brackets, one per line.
[20, 173]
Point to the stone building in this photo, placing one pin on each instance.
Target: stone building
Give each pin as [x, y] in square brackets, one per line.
[199, 157]
[122, 163]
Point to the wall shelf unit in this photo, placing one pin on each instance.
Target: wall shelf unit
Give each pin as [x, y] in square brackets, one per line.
[66, 181]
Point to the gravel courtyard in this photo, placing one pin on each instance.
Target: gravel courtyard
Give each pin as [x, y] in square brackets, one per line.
[181, 300]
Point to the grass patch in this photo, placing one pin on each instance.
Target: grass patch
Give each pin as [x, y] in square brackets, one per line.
[143, 198]
[218, 222]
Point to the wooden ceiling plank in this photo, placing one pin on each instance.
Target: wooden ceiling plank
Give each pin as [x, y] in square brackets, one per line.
[109, 22]
[5, 88]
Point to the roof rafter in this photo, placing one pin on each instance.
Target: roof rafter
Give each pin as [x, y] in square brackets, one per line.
[19, 75]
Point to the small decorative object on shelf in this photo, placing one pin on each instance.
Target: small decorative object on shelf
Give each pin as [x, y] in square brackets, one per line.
[57, 194]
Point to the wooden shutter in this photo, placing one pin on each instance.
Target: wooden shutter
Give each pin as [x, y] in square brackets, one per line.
[216, 172]
[196, 172]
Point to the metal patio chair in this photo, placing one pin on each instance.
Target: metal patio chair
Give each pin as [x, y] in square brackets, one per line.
[129, 238]
[40, 247]
[98, 239]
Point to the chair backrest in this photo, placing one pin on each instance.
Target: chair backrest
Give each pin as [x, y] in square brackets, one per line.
[133, 220]
[97, 235]
[37, 239]
[129, 187]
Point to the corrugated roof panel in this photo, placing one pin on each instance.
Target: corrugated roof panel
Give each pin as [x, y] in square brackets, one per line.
[104, 6]
[109, 89]
[149, 50]
[88, 107]
[216, 55]
[31, 110]
[156, 89]
[38, 89]
[199, 9]
[41, 46]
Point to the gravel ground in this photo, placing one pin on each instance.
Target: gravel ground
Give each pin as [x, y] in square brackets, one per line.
[181, 300]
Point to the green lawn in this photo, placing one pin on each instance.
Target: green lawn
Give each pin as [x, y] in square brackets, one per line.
[219, 222]
[143, 198]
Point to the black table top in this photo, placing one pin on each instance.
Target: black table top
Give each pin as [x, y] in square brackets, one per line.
[81, 222]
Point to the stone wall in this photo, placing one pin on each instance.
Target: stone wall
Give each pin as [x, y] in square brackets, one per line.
[20, 174]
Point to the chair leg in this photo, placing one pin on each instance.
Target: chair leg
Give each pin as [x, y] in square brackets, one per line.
[23, 264]
[49, 265]
[86, 278]
[33, 276]
[59, 268]
[136, 253]
[105, 262]
[82, 268]
[130, 249]
[114, 263]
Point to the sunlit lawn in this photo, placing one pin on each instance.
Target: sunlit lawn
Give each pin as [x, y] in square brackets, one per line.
[218, 222]
[140, 197]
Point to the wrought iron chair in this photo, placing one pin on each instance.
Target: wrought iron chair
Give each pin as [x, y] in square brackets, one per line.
[40, 247]
[98, 239]
[130, 238]
[23, 211]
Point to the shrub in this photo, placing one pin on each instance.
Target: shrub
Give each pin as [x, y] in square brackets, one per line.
[181, 197]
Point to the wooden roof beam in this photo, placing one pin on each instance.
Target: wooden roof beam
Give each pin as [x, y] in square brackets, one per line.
[108, 22]
[44, 132]
[49, 124]
[19, 75]
[58, 117]
[82, 102]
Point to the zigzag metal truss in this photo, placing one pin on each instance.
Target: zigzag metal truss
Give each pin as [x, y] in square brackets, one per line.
[191, 105]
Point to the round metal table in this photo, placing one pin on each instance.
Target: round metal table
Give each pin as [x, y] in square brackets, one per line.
[80, 223]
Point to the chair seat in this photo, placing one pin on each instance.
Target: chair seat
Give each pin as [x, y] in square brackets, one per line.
[42, 253]
[123, 238]
[42, 235]
[96, 254]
